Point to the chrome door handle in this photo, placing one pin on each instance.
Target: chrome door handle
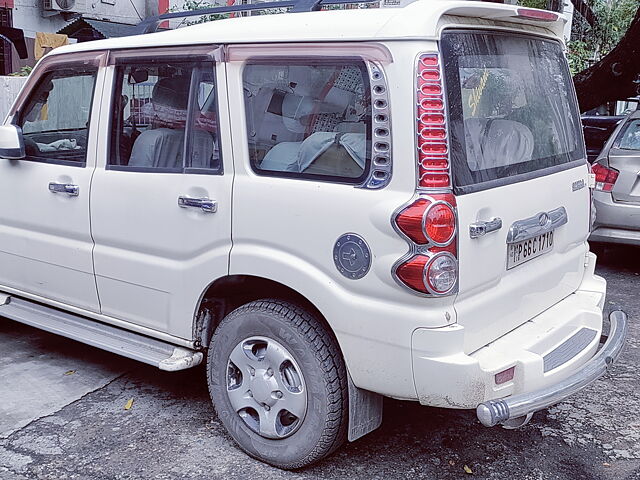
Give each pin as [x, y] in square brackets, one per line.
[481, 228]
[68, 188]
[205, 204]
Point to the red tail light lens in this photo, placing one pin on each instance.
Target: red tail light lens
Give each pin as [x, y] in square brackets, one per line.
[431, 125]
[411, 221]
[411, 273]
[605, 177]
[440, 223]
[429, 220]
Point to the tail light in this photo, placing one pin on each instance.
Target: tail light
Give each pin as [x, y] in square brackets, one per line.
[429, 222]
[431, 126]
[605, 177]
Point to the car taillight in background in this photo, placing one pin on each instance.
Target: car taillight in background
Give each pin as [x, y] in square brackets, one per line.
[429, 222]
[605, 177]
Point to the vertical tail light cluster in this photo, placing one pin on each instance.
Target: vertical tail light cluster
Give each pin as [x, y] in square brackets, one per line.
[431, 125]
[429, 222]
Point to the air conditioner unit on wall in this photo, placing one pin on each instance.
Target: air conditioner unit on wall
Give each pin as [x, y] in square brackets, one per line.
[76, 6]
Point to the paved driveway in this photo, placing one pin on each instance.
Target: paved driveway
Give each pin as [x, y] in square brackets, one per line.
[63, 416]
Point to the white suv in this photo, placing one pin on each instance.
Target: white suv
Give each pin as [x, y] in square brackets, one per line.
[328, 207]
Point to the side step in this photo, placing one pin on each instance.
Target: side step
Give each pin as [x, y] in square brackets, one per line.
[154, 352]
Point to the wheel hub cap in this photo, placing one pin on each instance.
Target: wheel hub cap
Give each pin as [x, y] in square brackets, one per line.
[266, 387]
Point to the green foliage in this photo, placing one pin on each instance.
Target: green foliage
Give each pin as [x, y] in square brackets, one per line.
[589, 44]
[191, 5]
[23, 72]
[542, 4]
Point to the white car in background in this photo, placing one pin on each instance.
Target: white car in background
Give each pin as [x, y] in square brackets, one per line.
[327, 207]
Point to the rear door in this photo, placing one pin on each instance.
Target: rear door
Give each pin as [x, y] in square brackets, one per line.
[519, 169]
[624, 156]
[161, 205]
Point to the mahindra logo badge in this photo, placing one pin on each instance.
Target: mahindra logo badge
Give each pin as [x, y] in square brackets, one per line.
[543, 219]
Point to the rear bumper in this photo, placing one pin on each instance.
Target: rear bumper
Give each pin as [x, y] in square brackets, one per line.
[616, 222]
[494, 412]
[615, 235]
[543, 351]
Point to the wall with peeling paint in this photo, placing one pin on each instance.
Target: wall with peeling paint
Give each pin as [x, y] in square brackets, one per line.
[9, 88]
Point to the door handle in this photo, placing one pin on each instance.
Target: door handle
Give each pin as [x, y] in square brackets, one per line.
[481, 228]
[68, 188]
[205, 204]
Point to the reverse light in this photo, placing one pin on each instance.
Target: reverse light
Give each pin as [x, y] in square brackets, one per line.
[605, 177]
[442, 273]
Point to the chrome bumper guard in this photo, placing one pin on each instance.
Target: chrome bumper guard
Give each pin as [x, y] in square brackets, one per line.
[493, 412]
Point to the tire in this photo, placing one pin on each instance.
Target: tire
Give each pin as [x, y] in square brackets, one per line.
[259, 421]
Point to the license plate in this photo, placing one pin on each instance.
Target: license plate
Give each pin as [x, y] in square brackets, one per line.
[521, 252]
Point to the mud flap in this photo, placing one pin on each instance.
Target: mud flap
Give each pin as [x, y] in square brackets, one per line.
[365, 411]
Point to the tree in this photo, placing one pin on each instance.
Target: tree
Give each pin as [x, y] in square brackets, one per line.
[617, 75]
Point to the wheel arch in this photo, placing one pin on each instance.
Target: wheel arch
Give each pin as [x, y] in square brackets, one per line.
[229, 292]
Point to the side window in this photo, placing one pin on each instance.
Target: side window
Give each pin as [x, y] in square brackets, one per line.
[309, 119]
[55, 118]
[630, 138]
[165, 118]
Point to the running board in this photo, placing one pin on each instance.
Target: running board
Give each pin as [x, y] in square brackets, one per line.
[148, 350]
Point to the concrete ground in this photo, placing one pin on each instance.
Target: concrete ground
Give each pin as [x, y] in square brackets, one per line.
[63, 416]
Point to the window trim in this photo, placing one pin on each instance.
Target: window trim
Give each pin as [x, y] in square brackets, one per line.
[44, 68]
[520, 177]
[206, 54]
[330, 60]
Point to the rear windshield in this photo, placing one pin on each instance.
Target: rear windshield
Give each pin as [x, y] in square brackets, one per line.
[512, 109]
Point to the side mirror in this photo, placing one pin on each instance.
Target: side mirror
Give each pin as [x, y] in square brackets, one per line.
[11, 142]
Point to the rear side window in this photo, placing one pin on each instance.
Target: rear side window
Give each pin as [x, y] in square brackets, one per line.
[630, 137]
[309, 119]
[512, 109]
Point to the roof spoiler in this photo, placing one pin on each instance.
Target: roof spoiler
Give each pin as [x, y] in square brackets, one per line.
[150, 24]
[15, 36]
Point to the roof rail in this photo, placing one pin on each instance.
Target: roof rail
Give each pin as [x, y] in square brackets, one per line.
[150, 24]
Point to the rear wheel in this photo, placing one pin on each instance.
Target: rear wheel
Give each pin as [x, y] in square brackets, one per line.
[278, 383]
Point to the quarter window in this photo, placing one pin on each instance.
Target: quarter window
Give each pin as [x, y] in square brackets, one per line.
[309, 119]
[55, 118]
[165, 118]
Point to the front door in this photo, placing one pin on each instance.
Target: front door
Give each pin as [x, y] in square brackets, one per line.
[161, 205]
[45, 238]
